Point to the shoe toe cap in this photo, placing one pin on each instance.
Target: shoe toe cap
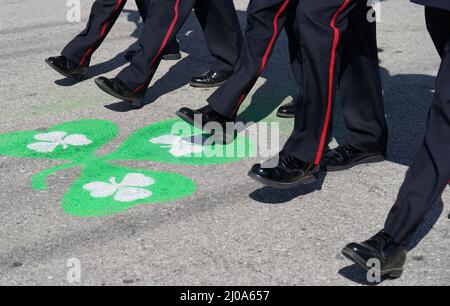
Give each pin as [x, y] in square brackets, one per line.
[258, 169]
[360, 250]
[198, 79]
[102, 81]
[186, 111]
[355, 247]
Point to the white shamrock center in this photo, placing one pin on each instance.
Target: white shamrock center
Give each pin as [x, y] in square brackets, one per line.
[178, 145]
[132, 188]
[48, 142]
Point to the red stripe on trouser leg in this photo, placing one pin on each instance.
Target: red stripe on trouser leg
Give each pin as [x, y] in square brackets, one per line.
[164, 44]
[336, 39]
[102, 32]
[267, 53]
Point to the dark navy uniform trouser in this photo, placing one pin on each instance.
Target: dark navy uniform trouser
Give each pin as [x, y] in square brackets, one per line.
[266, 19]
[321, 38]
[339, 50]
[165, 19]
[430, 172]
[104, 14]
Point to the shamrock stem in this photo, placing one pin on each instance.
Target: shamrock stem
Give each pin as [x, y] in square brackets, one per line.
[39, 181]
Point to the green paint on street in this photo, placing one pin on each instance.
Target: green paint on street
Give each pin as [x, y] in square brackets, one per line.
[108, 189]
[103, 188]
[176, 142]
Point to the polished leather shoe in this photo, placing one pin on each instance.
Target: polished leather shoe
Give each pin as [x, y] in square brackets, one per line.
[119, 90]
[391, 256]
[345, 157]
[288, 110]
[171, 53]
[209, 79]
[211, 122]
[288, 173]
[67, 67]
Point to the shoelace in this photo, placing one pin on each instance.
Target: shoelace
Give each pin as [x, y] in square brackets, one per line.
[343, 151]
[288, 161]
[380, 240]
[209, 74]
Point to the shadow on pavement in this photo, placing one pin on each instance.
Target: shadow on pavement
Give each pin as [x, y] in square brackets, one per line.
[269, 195]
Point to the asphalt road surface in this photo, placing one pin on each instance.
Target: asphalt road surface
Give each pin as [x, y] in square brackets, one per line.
[230, 231]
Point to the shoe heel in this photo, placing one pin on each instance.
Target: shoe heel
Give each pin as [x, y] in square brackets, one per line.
[395, 274]
[172, 57]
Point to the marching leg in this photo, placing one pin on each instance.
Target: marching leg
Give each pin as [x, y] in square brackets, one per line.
[430, 172]
[164, 20]
[223, 34]
[76, 56]
[104, 14]
[426, 178]
[291, 28]
[172, 51]
[361, 96]
[265, 21]
[322, 25]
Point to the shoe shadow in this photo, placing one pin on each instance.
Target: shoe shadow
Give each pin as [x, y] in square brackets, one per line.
[121, 107]
[358, 275]
[177, 77]
[269, 195]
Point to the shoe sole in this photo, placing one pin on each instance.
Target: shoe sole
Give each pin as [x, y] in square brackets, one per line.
[77, 77]
[200, 85]
[136, 103]
[349, 254]
[226, 139]
[304, 181]
[366, 160]
[172, 57]
[168, 57]
[283, 115]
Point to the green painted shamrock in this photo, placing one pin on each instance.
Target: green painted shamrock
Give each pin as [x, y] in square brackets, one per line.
[105, 188]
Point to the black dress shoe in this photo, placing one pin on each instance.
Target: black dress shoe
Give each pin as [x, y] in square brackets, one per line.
[391, 256]
[345, 157]
[290, 172]
[209, 79]
[67, 67]
[211, 122]
[288, 110]
[171, 53]
[119, 90]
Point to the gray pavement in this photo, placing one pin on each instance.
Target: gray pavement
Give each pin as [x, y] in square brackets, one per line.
[231, 231]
